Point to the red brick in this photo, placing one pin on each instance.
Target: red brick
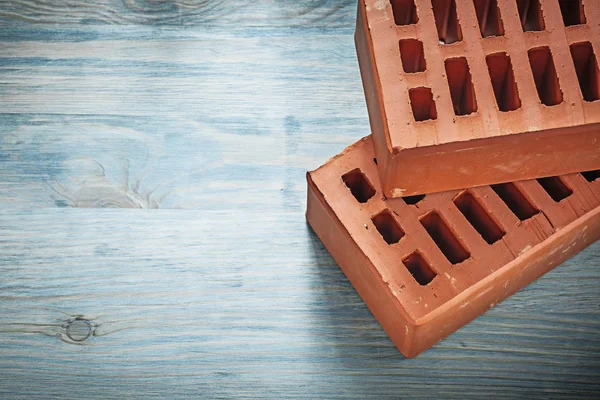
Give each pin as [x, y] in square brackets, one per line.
[477, 140]
[374, 241]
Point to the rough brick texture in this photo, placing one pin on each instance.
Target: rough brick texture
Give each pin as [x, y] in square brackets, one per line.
[427, 265]
[466, 93]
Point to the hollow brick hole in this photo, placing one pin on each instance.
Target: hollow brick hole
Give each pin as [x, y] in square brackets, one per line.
[359, 185]
[388, 227]
[419, 268]
[412, 200]
[544, 75]
[555, 188]
[532, 17]
[586, 67]
[444, 238]
[489, 18]
[515, 200]
[503, 81]
[446, 21]
[422, 103]
[572, 12]
[412, 55]
[591, 176]
[405, 12]
[462, 92]
[478, 217]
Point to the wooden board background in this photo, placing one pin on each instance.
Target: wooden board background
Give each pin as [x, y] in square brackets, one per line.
[152, 195]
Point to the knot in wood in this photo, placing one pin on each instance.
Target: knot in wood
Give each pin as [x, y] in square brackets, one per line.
[78, 329]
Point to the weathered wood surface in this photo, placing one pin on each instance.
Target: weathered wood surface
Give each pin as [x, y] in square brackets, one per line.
[212, 112]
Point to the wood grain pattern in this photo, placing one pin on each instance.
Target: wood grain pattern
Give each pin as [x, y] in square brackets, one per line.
[162, 122]
[317, 13]
[194, 124]
[199, 302]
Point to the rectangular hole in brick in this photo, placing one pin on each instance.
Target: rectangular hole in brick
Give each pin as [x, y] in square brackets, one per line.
[503, 81]
[388, 227]
[544, 75]
[515, 200]
[532, 18]
[591, 176]
[445, 239]
[359, 185]
[488, 15]
[419, 268]
[446, 21]
[412, 55]
[422, 103]
[555, 187]
[586, 67]
[572, 12]
[405, 12]
[478, 217]
[412, 200]
[461, 86]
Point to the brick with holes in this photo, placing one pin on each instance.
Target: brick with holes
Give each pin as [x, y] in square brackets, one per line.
[465, 93]
[426, 265]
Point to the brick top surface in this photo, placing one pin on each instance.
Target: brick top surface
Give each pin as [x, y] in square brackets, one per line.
[455, 53]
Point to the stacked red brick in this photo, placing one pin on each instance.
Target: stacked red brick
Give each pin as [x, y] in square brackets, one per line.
[463, 93]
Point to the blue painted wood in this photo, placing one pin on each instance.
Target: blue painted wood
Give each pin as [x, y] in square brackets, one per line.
[152, 191]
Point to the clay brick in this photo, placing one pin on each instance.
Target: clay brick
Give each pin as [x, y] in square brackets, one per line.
[427, 265]
[464, 93]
